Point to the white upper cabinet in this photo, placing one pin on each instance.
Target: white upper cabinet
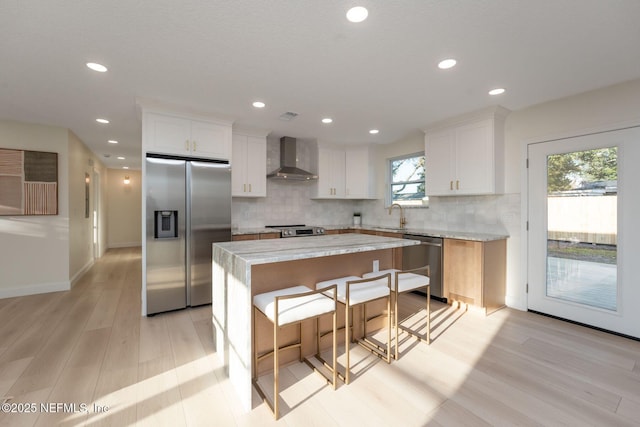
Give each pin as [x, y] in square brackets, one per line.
[465, 156]
[331, 173]
[344, 173]
[359, 178]
[249, 165]
[185, 136]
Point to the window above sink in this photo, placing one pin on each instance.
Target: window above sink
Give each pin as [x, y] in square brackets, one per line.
[406, 181]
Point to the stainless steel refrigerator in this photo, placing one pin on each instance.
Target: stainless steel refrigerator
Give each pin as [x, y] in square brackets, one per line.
[188, 207]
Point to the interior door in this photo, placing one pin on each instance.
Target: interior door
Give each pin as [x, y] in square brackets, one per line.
[582, 251]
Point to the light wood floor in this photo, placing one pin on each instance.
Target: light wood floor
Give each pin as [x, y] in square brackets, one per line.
[90, 346]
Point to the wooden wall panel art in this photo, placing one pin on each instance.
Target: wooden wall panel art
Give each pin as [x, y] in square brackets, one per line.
[28, 182]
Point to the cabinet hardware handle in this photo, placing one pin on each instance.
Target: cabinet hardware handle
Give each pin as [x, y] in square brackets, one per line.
[244, 189]
[195, 145]
[186, 145]
[249, 188]
[450, 185]
[457, 185]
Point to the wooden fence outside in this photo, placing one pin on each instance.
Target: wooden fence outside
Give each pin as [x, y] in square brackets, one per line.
[587, 219]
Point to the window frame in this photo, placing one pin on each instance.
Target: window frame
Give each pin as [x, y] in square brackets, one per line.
[423, 203]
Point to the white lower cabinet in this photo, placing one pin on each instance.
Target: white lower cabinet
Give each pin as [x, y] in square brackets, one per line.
[249, 166]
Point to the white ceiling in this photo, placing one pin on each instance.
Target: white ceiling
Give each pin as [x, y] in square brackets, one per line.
[218, 56]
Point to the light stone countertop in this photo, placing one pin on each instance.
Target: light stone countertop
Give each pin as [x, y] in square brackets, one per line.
[277, 250]
[446, 234]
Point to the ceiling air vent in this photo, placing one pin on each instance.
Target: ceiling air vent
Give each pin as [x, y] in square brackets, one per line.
[288, 116]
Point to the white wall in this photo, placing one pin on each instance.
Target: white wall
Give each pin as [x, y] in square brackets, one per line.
[82, 161]
[125, 209]
[36, 251]
[412, 143]
[603, 109]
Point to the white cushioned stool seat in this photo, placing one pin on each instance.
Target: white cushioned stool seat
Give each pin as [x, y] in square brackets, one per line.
[294, 305]
[358, 293]
[408, 281]
[293, 309]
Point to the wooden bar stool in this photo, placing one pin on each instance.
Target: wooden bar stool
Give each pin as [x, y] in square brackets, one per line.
[352, 291]
[407, 281]
[287, 307]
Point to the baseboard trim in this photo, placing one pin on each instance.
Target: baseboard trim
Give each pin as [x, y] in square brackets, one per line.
[81, 272]
[515, 303]
[124, 245]
[42, 288]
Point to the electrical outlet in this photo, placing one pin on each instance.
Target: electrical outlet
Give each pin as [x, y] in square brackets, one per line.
[376, 265]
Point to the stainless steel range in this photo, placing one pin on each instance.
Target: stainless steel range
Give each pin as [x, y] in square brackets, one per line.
[298, 230]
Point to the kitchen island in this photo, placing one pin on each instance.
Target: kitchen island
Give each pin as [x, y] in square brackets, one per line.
[243, 269]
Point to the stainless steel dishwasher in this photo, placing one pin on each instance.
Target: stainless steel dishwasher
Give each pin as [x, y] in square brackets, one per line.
[428, 252]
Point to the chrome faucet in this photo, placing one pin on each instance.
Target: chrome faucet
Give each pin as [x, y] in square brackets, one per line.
[403, 220]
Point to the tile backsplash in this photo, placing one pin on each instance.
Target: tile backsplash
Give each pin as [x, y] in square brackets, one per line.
[491, 214]
[291, 203]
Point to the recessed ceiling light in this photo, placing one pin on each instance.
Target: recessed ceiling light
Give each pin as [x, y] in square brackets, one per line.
[259, 104]
[112, 141]
[497, 91]
[374, 131]
[125, 167]
[120, 158]
[447, 63]
[327, 120]
[357, 14]
[103, 121]
[97, 67]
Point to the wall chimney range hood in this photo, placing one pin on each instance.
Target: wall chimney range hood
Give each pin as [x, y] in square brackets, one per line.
[288, 169]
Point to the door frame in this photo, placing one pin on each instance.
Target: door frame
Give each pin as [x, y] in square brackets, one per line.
[524, 184]
[520, 301]
[95, 215]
